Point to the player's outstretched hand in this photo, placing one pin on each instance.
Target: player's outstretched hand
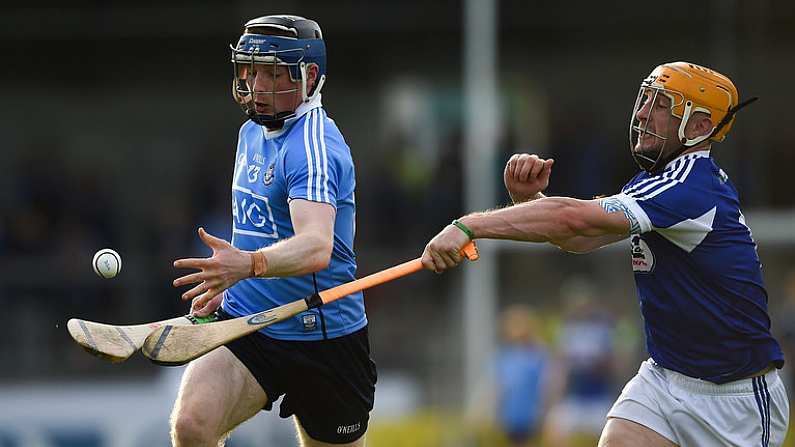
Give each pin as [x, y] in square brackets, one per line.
[444, 250]
[526, 175]
[224, 268]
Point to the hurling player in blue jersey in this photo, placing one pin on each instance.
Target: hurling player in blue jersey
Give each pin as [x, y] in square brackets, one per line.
[712, 377]
[293, 214]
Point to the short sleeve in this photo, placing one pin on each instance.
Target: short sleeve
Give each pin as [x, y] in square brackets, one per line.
[677, 204]
[312, 162]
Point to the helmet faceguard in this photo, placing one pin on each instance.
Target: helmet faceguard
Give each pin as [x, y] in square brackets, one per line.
[674, 92]
[651, 135]
[298, 44]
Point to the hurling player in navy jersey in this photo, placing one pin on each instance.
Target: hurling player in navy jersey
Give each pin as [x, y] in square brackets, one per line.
[293, 213]
[712, 377]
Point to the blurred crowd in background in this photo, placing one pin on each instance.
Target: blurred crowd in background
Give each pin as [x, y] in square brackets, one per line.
[118, 131]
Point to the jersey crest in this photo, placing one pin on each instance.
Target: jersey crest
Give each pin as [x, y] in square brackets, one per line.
[642, 256]
[267, 178]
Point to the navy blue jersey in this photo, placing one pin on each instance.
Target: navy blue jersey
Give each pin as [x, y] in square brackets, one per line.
[307, 159]
[697, 272]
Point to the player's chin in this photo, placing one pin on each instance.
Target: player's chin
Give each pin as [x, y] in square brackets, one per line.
[647, 147]
[263, 108]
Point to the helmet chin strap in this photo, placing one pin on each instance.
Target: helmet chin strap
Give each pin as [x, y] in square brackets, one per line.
[272, 122]
[685, 143]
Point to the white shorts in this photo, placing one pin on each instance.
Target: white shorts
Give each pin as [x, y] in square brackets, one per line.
[694, 412]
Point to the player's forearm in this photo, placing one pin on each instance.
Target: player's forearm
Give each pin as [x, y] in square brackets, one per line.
[585, 244]
[298, 255]
[548, 219]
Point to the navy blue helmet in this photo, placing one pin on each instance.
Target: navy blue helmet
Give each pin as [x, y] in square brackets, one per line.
[272, 41]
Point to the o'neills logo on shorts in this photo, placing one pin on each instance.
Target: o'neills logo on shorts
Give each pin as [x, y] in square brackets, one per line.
[642, 257]
[348, 429]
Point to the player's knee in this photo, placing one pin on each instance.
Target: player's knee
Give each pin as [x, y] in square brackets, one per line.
[189, 430]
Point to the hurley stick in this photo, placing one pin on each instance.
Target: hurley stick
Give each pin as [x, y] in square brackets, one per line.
[117, 343]
[173, 345]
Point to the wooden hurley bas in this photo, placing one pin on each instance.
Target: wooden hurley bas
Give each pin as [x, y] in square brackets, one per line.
[177, 344]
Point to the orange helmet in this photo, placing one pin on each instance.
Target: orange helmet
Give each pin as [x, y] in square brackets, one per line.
[693, 88]
[690, 88]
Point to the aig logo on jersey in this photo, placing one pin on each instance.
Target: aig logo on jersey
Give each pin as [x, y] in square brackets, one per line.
[642, 257]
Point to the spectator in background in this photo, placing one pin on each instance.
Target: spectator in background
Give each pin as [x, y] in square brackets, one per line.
[587, 353]
[521, 372]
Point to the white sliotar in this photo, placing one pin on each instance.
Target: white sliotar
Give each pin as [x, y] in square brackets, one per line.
[106, 263]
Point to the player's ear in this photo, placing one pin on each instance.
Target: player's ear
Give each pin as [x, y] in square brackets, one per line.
[702, 124]
[312, 71]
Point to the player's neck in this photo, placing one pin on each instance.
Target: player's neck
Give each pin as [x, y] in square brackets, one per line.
[705, 146]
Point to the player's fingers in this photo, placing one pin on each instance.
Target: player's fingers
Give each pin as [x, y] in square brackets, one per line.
[210, 307]
[515, 161]
[538, 165]
[523, 172]
[206, 303]
[201, 301]
[448, 259]
[192, 263]
[210, 240]
[546, 170]
[427, 260]
[456, 257]
[196, 291]
[438, 263]
[197, 304]
[189, 279]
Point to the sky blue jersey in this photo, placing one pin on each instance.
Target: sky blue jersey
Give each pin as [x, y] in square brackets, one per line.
[307, 159]
[698, 275]
[520, 374]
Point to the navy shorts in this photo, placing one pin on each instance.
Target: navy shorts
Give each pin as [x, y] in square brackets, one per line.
[329, 385]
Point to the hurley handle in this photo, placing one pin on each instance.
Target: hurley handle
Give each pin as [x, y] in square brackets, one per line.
[470, 251]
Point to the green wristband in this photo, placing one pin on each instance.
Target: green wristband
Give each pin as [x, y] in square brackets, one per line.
[464, 228]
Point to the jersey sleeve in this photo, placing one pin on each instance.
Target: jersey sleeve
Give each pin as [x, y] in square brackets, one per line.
[678, 203]
[313, 163]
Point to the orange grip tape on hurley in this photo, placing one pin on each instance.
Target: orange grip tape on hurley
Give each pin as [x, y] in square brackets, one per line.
[470, 251]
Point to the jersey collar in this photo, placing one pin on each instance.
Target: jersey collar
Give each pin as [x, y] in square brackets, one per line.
[302, 110]
[696, 154]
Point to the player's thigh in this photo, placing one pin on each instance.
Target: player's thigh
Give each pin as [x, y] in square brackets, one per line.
[218, 391]
[306, 441]
[624, 433]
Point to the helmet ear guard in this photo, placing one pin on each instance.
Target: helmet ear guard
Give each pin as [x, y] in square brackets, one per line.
[319, 81]
[685, 119]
